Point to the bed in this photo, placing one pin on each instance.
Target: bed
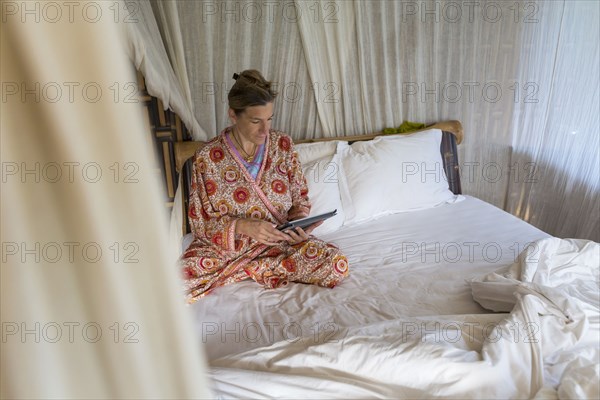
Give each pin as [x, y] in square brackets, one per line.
[448, 296]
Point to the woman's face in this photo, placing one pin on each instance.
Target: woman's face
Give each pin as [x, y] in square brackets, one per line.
[254, 123]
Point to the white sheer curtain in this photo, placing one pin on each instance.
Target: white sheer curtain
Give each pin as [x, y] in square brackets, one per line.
[165, 74]
[505, 69]
[220, 38]
[557, 140]
[90, 299]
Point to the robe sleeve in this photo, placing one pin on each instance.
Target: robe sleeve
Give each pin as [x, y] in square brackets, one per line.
[206, 222]
[299, 189]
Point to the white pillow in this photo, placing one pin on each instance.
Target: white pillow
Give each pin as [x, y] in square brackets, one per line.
[309, 152]
[323, 176]
[391, 174]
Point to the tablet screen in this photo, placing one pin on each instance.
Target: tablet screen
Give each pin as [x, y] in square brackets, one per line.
[305, 222]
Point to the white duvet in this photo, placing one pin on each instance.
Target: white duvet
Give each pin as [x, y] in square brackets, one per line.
[405, 323]
[547, 347]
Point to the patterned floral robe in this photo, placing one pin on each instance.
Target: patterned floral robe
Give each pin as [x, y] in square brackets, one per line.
[222, 192]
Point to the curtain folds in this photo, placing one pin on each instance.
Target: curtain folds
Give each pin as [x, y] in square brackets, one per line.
[165, 74]
[90, 301]
[504, 69]
[556, 147]
[166, 13]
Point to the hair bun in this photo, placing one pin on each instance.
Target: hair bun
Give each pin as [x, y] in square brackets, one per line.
[250, 89]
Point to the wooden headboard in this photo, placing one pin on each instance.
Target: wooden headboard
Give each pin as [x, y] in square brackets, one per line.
[452, 135]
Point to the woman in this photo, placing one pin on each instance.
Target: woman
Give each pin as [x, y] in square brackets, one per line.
[246, 181]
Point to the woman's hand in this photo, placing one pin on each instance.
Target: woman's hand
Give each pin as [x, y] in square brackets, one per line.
[262, 231]
[296, 235]
[310, 228]
[267, 233]
[300, 235]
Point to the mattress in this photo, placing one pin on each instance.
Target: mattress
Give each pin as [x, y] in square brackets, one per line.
[402, 265]
[406, 322]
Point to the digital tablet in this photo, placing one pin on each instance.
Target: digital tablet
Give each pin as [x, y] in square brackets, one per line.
[304, 222]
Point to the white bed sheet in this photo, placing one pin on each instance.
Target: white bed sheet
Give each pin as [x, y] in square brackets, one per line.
[437, 344]
[404, 268]
[405, 324]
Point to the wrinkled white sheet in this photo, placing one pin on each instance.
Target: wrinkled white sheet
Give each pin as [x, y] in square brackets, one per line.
[402, 265]
[563, 276]
[403, 325]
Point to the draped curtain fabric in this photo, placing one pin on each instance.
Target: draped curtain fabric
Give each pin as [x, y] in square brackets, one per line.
[165, 73]
[91, 304]
[521, 76]
[557, 140]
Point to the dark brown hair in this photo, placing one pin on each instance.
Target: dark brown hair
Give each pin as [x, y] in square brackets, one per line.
[250, 89]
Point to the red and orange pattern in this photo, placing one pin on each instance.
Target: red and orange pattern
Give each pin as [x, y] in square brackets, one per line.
[223, 192]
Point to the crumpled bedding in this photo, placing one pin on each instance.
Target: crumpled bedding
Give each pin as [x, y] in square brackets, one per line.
[548, 346]
[561, 276]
